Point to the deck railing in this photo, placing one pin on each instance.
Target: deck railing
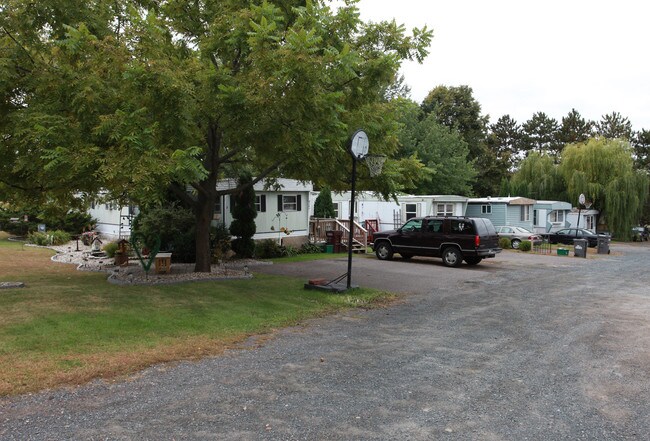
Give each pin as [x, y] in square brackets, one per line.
[318, 228]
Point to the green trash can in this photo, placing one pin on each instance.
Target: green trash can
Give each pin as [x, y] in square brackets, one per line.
[329, 249]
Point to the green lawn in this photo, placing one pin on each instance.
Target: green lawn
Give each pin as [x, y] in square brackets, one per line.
[67, 326]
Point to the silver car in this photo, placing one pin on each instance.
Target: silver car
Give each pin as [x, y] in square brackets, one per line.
[517, 234]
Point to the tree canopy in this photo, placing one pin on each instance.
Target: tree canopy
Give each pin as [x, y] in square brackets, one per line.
[603, 170]
[441, 149]
[138, 97]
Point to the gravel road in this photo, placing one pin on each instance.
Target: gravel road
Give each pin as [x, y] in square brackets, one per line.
[519, 347]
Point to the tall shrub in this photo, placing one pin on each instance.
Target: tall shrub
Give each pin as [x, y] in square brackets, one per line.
[244, 214]
[324, 207]
[174, 225]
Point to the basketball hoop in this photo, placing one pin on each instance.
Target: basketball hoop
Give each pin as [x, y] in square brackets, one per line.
[374, 163]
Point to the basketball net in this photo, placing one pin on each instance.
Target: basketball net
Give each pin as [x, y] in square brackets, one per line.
[374, 163]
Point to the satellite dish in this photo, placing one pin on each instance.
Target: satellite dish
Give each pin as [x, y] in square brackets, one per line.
[359, 144]
[581, 199]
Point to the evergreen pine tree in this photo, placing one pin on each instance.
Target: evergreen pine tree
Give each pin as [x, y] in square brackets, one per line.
[323, 207]
[244, 214]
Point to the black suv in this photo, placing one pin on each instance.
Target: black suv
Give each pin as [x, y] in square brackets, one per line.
[453, 238]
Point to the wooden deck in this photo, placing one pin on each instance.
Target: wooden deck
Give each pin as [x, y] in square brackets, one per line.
[318, 228]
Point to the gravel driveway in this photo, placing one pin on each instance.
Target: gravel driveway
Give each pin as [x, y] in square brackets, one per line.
[518, 347]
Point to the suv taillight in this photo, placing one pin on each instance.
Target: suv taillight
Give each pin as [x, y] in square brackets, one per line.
[477, 241]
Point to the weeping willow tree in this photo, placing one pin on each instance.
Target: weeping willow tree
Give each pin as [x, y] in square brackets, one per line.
[538, 177]
[603, 170]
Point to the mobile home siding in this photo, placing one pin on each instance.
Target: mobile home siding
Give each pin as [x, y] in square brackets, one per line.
[498, 215]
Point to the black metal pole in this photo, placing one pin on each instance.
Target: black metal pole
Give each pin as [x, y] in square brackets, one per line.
[351, 235]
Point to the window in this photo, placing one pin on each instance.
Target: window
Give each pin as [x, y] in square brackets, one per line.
[461, 227]
[411, 210]
[289, 203]
[486, 209]
[535, 218]
[434, 226]
[413, 225]
[589, 222]
[260, 203]
[336, 210]
[557, 216]
[445, 210]
[525, 213]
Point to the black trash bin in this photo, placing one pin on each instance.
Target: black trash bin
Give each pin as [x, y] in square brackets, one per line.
[580, 247]
[603, 244]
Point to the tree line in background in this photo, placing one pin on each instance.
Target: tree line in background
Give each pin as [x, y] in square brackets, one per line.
[541, 158]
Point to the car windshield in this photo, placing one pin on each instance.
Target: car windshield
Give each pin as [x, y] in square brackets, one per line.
[524, 230]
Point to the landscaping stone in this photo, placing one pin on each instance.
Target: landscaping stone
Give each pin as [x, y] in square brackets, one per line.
[8, 285]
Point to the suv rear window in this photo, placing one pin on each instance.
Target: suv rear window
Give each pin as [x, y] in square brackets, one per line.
[459, 226]
[485, 227]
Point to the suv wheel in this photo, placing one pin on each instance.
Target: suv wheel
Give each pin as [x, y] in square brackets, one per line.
[384, 251]
[451, 257]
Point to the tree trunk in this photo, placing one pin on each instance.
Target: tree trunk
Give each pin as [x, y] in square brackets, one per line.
[204, 211]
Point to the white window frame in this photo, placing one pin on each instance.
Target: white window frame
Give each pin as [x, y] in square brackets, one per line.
[288, 204]
[444, 209]
[337, 209]
[409, 214]
[525, 213]
[486, 209]
[557, 216]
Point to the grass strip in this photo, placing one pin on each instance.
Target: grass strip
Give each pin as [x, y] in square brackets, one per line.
[68, 327]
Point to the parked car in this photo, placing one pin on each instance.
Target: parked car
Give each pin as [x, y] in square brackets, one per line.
[640, 234]
[567, 235]
[517, 234]
[454, 239]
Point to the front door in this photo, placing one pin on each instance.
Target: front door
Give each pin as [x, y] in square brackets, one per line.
[409, 240]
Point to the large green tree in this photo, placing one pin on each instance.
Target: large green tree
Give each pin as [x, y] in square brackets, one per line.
[442, 150]
[574, 128]
[456, 108]
[538, 177]
[540, 134]
[603, 170]
[139, 97]
[504, 139]
[614, 126]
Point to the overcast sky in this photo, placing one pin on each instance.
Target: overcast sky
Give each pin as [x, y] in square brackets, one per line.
[524, 56]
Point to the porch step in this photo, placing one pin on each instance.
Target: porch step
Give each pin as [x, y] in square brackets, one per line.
[358, 248]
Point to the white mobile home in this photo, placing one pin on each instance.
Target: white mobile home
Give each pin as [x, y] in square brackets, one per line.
[113, 221]
[368, 205]
[431, 205]
[282, 212]
[391, 214]
[583, 219]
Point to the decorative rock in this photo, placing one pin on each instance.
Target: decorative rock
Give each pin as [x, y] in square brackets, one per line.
[8, 285]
